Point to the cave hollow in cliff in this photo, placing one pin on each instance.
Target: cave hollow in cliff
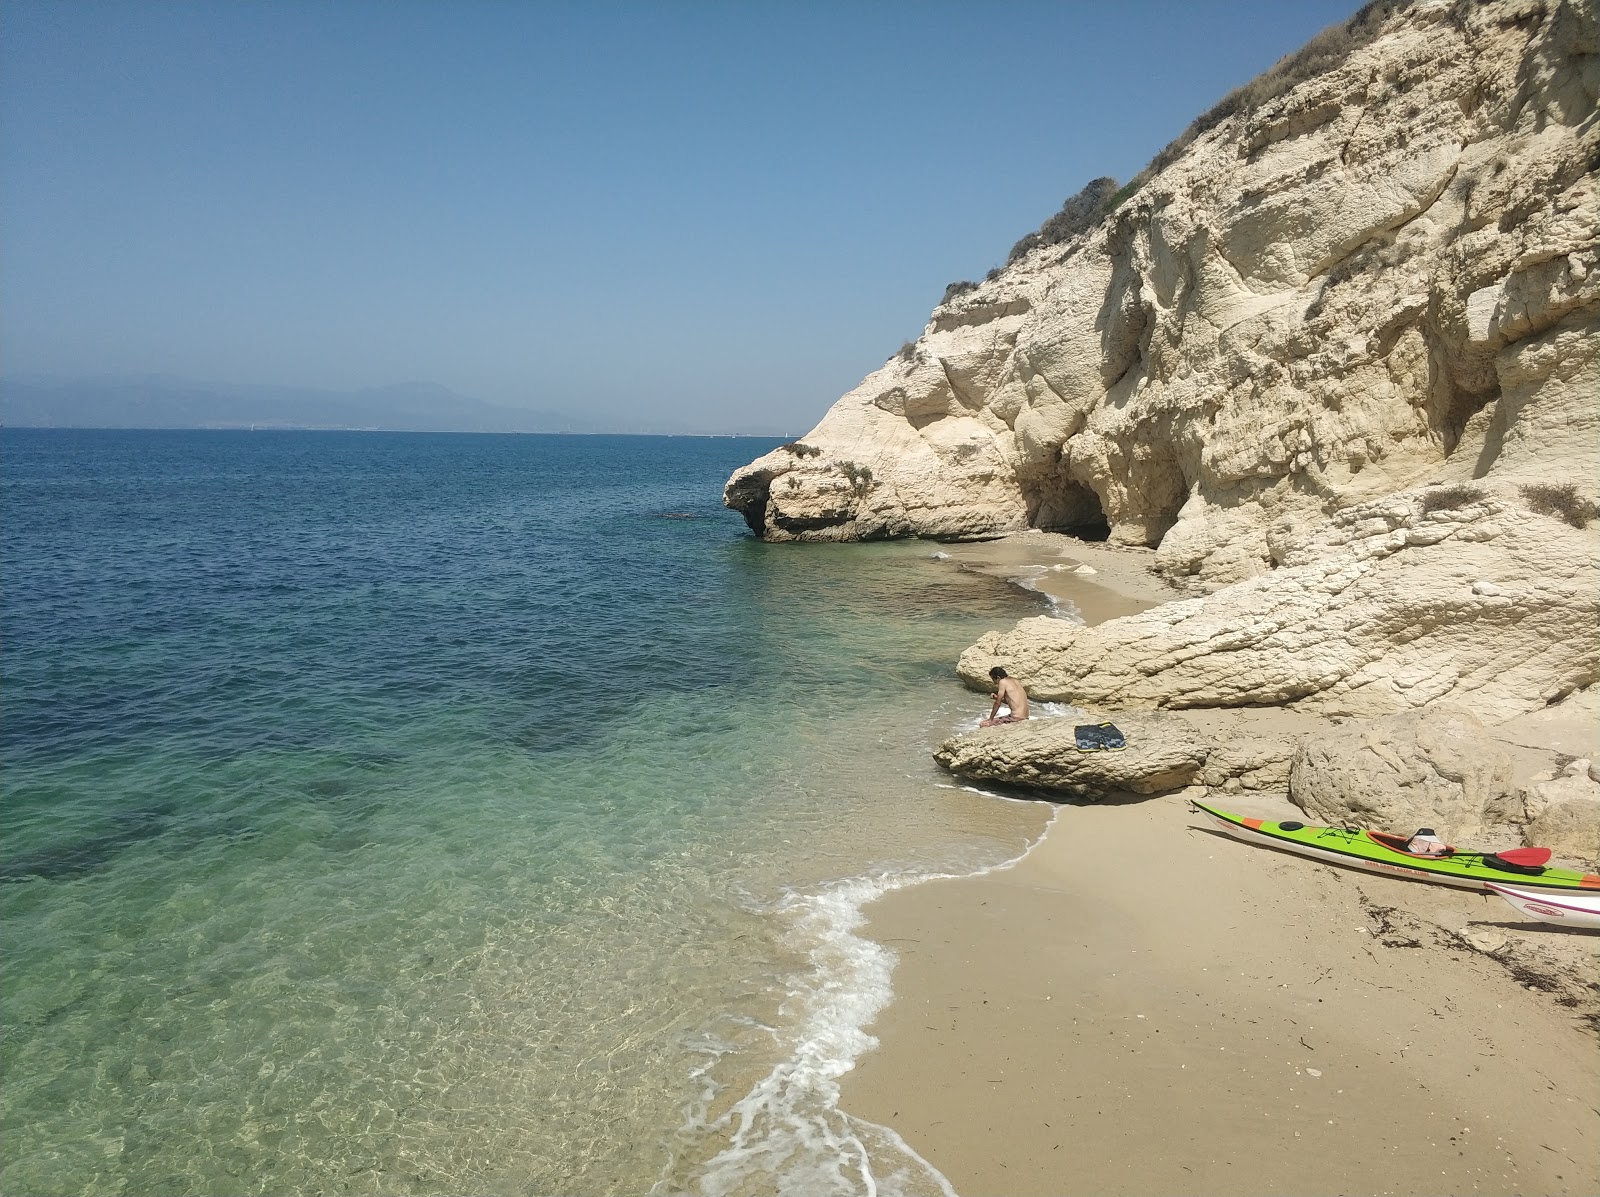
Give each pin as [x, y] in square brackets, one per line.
[1062, 505]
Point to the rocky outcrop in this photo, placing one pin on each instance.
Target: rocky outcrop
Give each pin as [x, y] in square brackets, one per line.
[1442, 768]
[1445, 594]
[1436, 768]
[1239, 763]
[1562, 810]
[1164, 752]
[1386, 276]
[1161, 754]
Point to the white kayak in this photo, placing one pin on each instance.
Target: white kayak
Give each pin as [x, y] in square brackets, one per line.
[1564, 910]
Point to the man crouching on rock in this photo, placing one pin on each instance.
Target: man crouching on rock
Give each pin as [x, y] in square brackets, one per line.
[1007, 693]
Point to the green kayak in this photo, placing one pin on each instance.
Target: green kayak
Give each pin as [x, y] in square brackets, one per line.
[1377, 852]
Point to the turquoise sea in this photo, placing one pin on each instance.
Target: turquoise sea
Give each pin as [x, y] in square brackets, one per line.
[402, 813]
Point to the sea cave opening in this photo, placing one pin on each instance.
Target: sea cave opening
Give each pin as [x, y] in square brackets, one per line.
[1072, 508]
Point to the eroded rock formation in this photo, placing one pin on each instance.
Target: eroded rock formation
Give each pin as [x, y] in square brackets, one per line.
[1441, 594]
[1435, 768]
[1441, 767]
[1163, 753]
[1384, 277]
[1562, 810]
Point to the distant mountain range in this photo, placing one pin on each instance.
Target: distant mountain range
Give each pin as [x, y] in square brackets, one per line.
[161, 402]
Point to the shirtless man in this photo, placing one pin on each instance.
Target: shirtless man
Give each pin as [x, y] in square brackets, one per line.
[1008, 692]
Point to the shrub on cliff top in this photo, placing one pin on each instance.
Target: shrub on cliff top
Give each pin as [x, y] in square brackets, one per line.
[1078, 215]
[1322, 53]
[955, 289]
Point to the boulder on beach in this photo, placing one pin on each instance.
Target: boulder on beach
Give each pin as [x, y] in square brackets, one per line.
[1164, 752]
[1436, 768]
[1562, 810]
[1443, 768]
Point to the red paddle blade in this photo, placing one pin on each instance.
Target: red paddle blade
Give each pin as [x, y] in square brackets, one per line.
[1525, 856]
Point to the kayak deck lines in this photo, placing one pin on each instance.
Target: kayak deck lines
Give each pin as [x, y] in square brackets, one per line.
[1360, 849]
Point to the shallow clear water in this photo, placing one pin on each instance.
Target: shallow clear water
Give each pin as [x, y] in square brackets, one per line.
[404, 813]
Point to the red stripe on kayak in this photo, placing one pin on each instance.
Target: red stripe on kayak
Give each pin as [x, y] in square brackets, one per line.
[1589, 881]
[1253, 824]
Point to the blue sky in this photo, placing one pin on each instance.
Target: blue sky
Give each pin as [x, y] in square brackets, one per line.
[727, 211]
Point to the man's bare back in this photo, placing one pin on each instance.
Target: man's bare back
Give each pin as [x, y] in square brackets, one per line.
[1008, 693]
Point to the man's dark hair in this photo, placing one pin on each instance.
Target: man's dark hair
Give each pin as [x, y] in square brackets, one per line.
[997, 673]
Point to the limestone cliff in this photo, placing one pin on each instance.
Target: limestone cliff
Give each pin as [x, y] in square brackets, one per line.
[1443, 594]
[1384, 277]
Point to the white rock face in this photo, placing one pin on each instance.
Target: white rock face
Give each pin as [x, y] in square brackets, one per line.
[1379, 609]
[1163, 753]
[1441, 768]
[1388, 275]
[1563, 811]
[1436, 768]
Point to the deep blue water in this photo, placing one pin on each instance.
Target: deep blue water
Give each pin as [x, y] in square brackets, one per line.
[427, 813]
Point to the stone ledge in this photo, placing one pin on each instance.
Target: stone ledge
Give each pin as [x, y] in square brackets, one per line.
[1164, 753]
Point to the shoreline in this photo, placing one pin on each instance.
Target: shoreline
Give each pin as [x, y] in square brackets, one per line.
[1097, 582]
[1220, 1019]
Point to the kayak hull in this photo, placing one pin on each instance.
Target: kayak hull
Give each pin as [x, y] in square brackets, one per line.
[1563, 909]
[1356, 849]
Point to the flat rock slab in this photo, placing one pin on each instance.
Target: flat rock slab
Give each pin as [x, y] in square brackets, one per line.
[1164, 752]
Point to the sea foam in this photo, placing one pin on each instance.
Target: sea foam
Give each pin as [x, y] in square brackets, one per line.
[788, 1134]
[1060, 608]
[1036, 710]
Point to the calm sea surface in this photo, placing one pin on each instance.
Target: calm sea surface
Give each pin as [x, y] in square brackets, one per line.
[392, 813]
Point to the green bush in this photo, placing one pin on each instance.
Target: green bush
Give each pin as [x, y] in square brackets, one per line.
[1078, 215]
[801, 449]
[1321, 54]
[1561, 500]
[955, 289]
[859, 476]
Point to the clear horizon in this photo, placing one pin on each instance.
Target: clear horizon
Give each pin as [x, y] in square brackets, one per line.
[720, 213]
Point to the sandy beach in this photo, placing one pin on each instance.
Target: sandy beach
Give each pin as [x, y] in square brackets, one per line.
[1141, 1005]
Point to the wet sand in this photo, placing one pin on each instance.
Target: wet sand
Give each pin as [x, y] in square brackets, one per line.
[1142, 1006]
[1098, 581]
